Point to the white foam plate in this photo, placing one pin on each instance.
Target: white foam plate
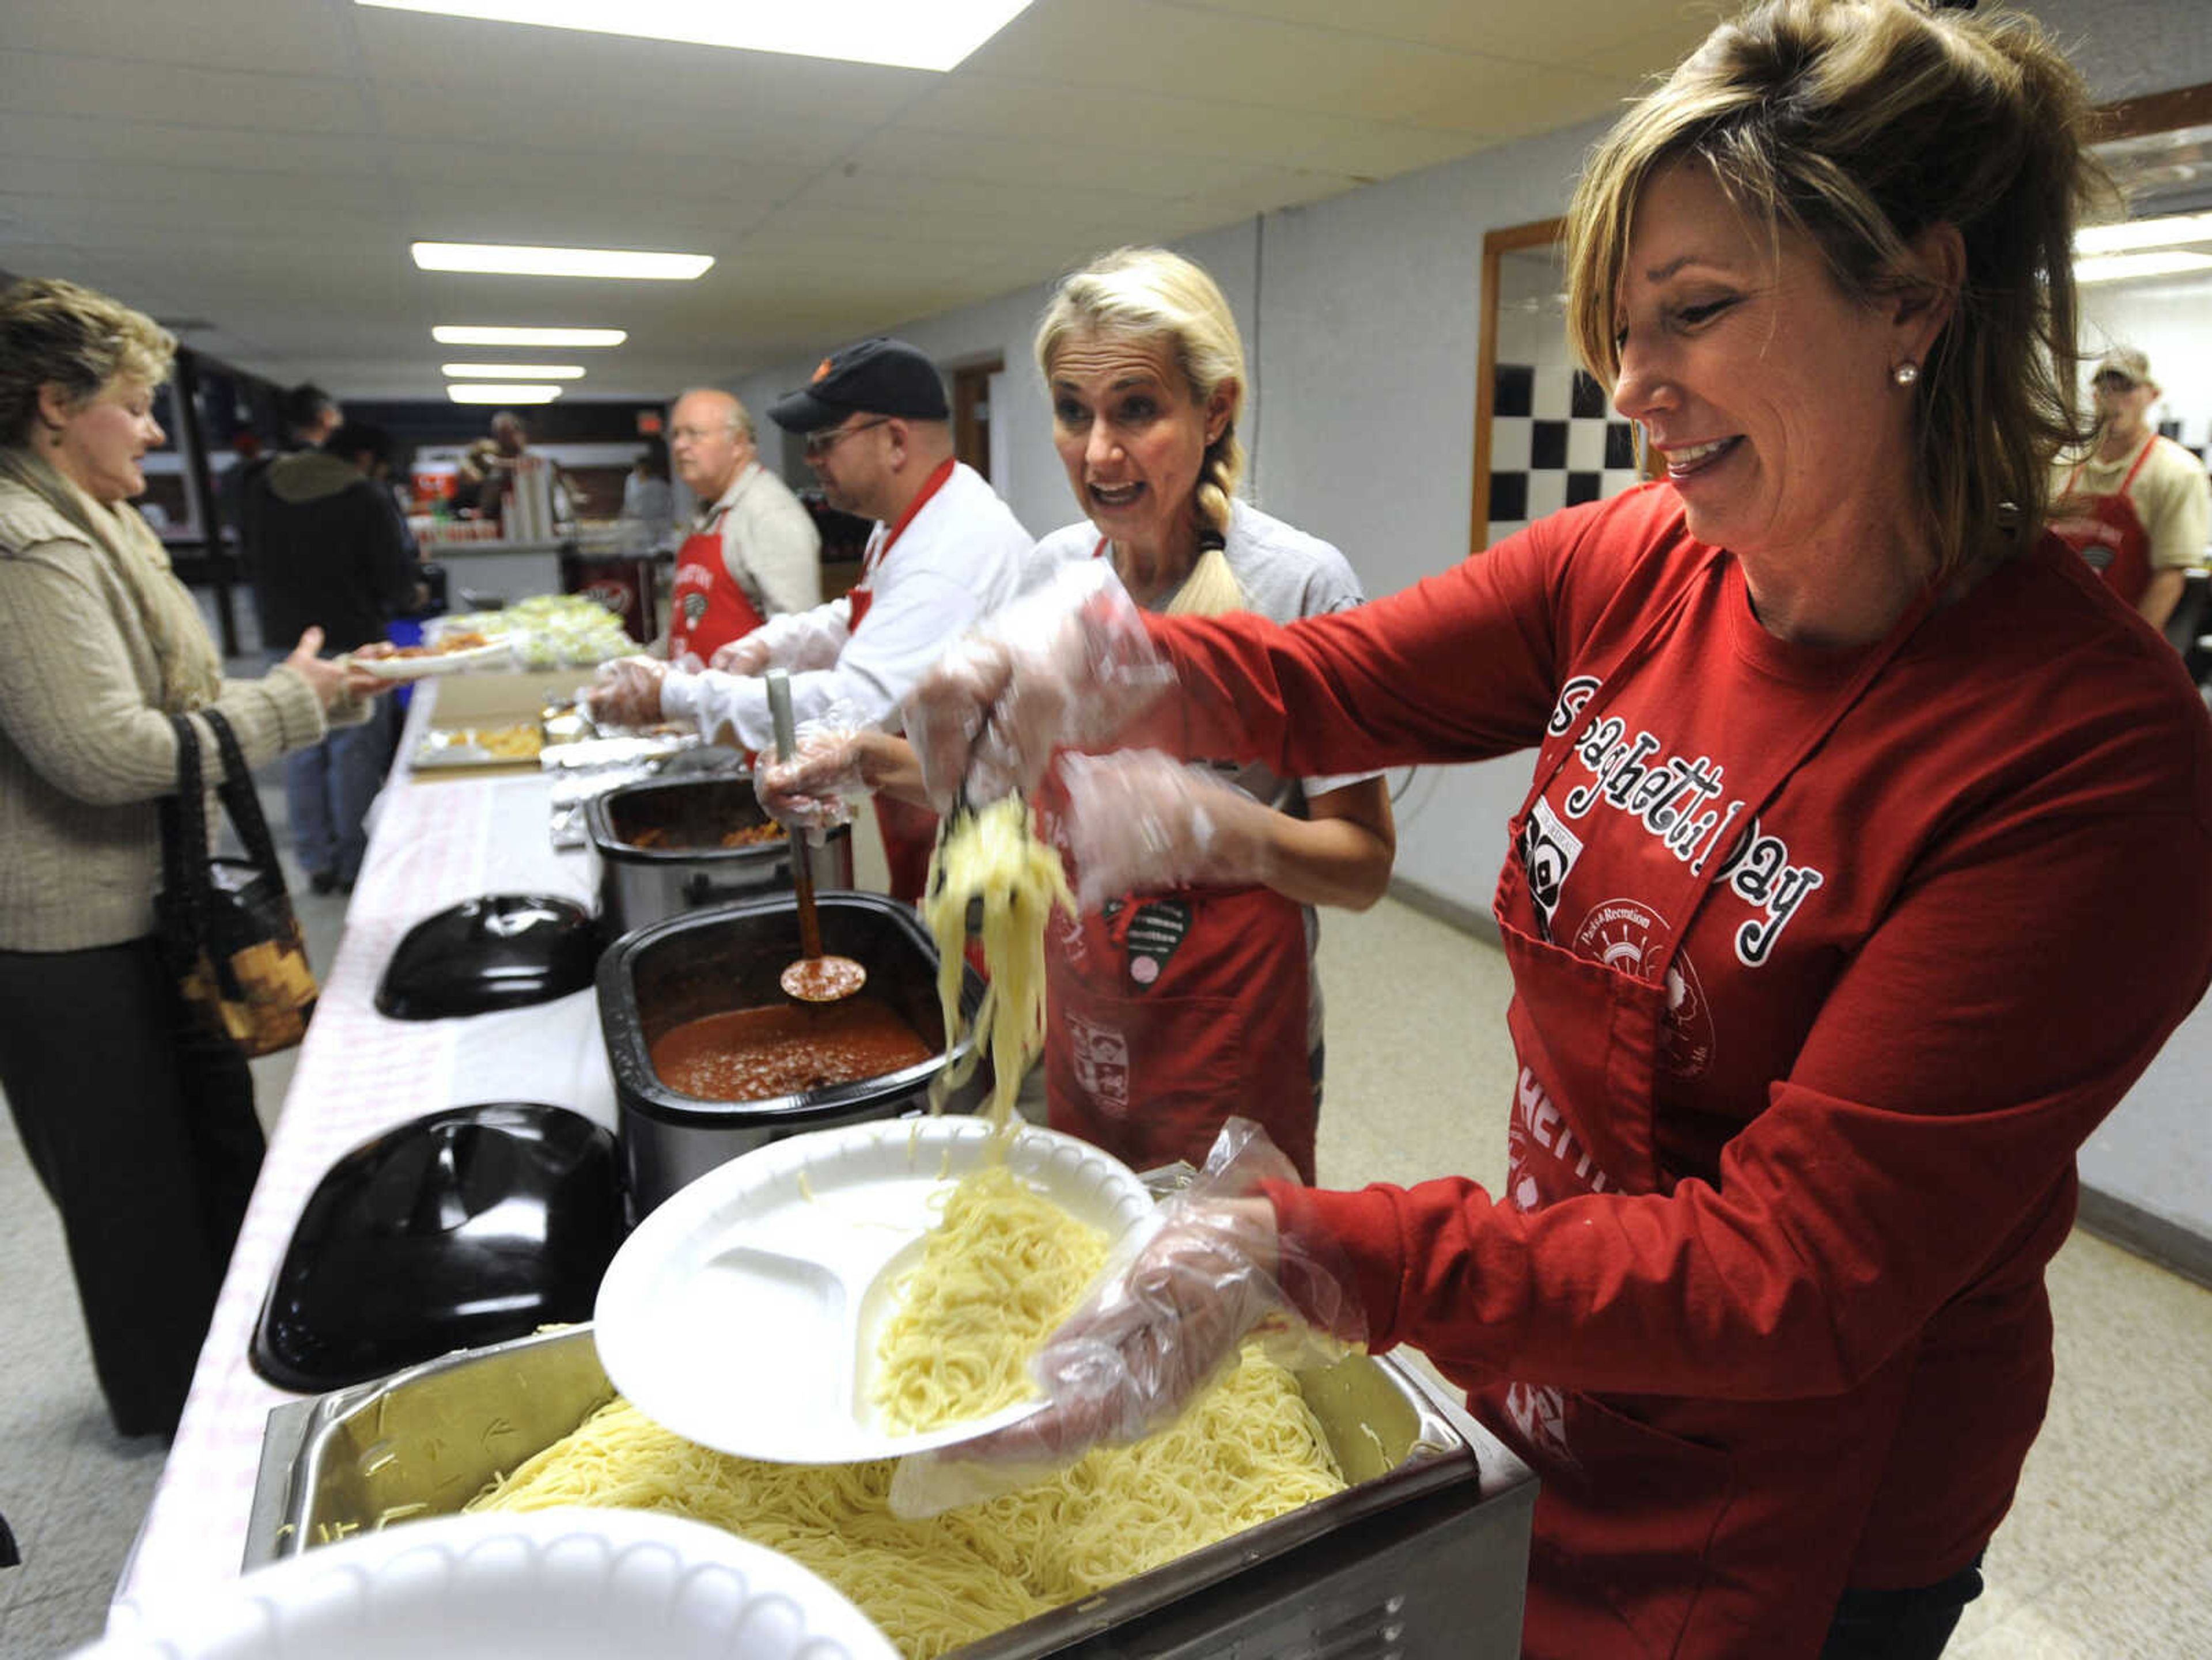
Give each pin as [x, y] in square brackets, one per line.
[491, 654]
[554, 1585]
[743, 1314]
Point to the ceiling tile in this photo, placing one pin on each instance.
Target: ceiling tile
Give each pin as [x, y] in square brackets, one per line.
[55, 83]
[232, 148]
[993, 107]
[1529, 33]
[1227, 59]
[286, 38]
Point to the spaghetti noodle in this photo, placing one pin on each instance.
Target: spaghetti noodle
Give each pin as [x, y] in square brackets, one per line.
[992, 856]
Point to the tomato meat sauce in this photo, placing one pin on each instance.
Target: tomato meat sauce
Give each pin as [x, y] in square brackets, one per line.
[756, 1055]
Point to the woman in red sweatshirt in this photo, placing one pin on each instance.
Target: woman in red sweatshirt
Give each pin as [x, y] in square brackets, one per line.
[1868, 860]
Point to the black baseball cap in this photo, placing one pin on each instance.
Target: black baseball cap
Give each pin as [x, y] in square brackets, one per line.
[881, 376]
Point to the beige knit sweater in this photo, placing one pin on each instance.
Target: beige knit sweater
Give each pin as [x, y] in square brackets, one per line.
[85, 750]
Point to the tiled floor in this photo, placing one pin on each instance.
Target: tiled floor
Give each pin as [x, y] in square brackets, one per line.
[2103, 1558]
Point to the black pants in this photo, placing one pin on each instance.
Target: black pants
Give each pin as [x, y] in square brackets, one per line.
[1901, 1624]
[142, 1130]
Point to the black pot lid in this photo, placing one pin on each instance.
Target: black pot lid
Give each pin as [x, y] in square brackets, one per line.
[466, 1226]
[500, 951]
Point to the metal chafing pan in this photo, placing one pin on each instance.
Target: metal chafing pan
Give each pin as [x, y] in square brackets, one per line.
[1424, 1554]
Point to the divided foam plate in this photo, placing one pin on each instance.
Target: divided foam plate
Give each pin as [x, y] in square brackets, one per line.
[742, 1312]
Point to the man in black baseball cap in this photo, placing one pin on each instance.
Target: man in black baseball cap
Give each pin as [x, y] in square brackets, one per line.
[946, 552]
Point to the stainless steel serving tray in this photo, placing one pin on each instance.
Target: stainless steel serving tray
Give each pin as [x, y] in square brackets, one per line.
[433, 1435]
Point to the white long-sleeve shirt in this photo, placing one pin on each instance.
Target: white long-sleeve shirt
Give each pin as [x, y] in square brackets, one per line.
[958, 561]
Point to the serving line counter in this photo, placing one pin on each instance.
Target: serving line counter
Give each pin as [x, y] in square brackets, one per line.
[1425, 1557]
[436, 840]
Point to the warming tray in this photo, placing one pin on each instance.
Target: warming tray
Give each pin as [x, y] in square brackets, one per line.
[1424, 1555]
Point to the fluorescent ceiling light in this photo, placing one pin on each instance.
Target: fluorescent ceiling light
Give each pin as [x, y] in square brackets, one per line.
[2120, 267]
[499, 258]
[458, 334]
[490, 391]
[2171, 231]
[897, 32]
[513, 371]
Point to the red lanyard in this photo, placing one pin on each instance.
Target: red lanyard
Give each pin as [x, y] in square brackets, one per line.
[930, 486]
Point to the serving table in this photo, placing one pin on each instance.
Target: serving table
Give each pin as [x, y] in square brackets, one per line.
[436, 840]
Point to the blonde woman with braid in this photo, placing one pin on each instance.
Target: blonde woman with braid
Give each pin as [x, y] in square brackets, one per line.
[1170, 1005]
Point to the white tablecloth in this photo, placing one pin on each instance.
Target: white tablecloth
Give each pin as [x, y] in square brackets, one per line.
[436, 841]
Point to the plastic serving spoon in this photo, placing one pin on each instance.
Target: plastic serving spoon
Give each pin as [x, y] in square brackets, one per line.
[814, 978]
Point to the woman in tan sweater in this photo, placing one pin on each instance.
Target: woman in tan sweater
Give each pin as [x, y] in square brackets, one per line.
[142, 1129]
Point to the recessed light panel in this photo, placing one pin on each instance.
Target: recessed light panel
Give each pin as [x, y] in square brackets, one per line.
[897, 32]
[512, 371]
[465, 334]
[2172, 230]
[503, 260]
[2123, 267]
[490, 391]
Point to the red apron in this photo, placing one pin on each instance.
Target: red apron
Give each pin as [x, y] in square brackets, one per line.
[1658, 1520]
[1168, 1012]
[2108, 532]
[707, 608]
[909, 833]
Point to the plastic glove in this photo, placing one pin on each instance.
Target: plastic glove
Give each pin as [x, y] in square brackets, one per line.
[1141, 820]
[626, 692]
[1162, 1323]
[1069, 664]
[746, 654]
[812, 789]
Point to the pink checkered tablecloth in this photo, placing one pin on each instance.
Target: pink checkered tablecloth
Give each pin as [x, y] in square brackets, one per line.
[434, 841]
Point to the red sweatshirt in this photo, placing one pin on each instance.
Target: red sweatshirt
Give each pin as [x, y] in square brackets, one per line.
[1918, 980]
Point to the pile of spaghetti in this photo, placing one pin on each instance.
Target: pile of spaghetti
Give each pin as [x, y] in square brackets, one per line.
[1249, 1451]
[999, 1273]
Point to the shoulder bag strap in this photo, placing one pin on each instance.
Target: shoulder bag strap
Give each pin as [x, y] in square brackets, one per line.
[240, 800]
[185, 835]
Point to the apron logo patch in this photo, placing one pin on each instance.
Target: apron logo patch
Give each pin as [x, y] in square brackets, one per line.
[1099, 1057]
[1621, 933]
[695, 609]
[1148, 933]
[1548, 852]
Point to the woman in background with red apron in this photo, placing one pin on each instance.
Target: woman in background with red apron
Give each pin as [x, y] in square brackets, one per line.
[1824, 910]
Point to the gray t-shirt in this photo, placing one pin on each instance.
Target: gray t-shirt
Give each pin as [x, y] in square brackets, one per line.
[1285, 575]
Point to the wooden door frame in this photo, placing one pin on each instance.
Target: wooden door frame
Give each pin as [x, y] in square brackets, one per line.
[1496, 245]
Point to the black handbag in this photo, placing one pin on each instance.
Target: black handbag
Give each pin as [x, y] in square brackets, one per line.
[227, 929]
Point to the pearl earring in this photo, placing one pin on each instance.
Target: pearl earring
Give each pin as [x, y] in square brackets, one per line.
[1906, 374]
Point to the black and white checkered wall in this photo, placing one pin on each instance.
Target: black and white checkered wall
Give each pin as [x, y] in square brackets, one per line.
[1554, 442]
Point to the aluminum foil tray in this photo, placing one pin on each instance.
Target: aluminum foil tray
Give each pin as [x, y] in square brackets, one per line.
[433, 1435]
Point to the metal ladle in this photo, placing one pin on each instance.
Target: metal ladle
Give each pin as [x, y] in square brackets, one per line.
[814, 978]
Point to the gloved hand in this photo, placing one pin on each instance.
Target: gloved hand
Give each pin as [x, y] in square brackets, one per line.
[626, 692]
[1163, 1322]
[1069, 664]
[812, 790]
[1139, 819]
[746, 654]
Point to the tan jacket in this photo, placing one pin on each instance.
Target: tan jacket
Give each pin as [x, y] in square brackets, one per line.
[85, 750]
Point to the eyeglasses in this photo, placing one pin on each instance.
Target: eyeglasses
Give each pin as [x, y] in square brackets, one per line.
[819, 443]
[2111, 382]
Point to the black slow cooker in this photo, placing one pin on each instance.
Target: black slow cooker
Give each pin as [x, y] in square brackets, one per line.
[659, 850]
[711, 962]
